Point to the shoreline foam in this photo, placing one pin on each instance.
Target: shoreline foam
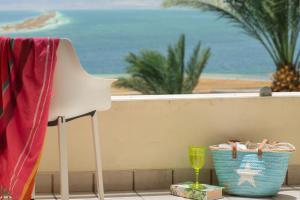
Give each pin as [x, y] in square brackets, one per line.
[41, 22]
[214, 76]
[210, 83]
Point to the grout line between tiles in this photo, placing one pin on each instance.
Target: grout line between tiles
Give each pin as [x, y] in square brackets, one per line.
[94, 182]
[52, 184]
[139, 195]
[173, 176]
[133, 180]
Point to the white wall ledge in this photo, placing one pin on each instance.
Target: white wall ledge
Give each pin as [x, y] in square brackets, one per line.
[163, 126]
[200, 96]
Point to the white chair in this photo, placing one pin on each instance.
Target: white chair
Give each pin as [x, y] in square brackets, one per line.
[76, 94]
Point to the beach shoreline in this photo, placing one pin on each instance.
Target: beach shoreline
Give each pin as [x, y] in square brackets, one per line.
[218, 76]
[212, 85]
[31, 24]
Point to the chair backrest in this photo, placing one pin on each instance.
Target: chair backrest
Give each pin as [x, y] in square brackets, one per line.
[75, 92]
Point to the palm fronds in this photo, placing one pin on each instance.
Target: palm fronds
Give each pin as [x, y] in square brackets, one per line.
[153, 73]
[274, 23]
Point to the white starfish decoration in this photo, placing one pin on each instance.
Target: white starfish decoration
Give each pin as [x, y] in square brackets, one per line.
[247, 175]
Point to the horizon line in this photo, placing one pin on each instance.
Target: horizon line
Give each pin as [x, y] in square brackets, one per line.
[104, 8]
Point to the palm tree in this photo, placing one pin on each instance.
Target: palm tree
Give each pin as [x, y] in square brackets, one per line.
[153, 73]
[274, 23]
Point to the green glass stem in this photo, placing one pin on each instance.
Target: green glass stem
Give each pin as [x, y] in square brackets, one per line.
[197, 184]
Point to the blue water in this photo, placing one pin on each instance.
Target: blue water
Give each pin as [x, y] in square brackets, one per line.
[103, 38]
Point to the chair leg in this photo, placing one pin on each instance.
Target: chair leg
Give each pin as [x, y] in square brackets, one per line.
[98, 157]
[63, 158]
[33, 192]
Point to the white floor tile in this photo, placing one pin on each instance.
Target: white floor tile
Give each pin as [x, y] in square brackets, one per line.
[108, 196]
[120, 194]
[285, 188]
[153, 192]
[157, 195]
[296, 187]
[124, 198]
[44, 197]
[161, 197]
[245, 198]
[78, 196]
[288, 195]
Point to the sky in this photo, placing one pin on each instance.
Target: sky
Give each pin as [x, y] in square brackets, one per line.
[76, 4]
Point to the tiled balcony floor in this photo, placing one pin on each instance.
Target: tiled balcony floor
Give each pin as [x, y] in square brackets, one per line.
[287, 193]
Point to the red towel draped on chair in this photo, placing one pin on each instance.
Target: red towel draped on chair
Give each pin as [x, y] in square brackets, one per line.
[26, 76]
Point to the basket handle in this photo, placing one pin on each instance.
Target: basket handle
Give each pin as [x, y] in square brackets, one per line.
[260, 148]
[292, 147]
[234, 150]
[233, 143]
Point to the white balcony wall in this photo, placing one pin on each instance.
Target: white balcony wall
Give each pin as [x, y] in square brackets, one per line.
[154, 132]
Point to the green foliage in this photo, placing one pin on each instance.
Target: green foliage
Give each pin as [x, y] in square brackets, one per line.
[274, 23]
[153, 73]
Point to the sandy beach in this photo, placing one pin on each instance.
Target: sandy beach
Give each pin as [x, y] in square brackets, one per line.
[29, 24]
[209, 85]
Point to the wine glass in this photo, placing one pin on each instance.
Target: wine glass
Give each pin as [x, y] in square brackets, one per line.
[197, 161]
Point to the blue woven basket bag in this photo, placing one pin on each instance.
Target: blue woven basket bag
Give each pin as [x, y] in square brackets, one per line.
[251, 169]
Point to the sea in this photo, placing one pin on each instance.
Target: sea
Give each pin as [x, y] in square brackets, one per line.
[104, 37]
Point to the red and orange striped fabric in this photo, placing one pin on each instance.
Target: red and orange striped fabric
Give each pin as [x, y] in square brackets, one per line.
[26, 75]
